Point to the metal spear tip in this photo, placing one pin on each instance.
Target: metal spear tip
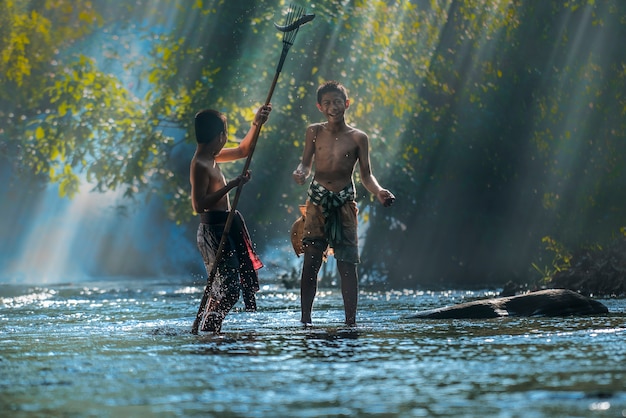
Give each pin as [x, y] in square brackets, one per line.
[295, 25]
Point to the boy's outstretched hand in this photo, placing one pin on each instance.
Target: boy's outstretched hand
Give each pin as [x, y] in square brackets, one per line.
[386, 197]
[299, 176]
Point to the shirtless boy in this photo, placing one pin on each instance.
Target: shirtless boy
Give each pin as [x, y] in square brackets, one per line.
[209, 198]
[331, 212]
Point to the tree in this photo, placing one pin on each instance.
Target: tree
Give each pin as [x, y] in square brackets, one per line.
[495, 124]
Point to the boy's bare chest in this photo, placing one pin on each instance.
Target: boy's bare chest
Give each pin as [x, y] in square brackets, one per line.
[216, 178]
[333, 147]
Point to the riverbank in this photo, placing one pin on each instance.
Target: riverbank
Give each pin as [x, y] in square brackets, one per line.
[597, 272]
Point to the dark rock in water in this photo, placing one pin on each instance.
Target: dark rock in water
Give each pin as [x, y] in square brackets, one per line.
[551, 302]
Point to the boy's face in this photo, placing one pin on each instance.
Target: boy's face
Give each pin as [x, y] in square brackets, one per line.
[221, 140]
[333, 106]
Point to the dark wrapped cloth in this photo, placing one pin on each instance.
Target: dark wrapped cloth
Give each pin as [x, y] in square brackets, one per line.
[238, 241]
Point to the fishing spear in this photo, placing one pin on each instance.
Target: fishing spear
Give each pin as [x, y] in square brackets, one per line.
[295, 18]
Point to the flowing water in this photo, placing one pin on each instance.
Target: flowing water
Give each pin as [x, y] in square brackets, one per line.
[123, 348]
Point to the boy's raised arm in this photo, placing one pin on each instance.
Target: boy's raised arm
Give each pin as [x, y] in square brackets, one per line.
[243, 149]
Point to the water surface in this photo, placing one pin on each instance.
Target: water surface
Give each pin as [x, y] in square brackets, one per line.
[123, 347]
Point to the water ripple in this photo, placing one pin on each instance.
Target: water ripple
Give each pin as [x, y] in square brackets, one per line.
[124, 348]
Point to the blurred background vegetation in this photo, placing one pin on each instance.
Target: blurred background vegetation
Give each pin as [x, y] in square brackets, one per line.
[500, 126]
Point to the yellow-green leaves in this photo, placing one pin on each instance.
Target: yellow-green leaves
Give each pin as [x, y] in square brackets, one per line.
[39, 133]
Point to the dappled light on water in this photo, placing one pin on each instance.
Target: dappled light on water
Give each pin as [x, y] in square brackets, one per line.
[123, 348]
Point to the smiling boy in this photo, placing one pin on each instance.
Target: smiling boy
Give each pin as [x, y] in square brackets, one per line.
[331, 212]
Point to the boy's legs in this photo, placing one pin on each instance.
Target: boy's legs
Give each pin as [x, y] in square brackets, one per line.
[349, 290]
[308, 281]
[225, 293]
[226, 284]
[249, 298]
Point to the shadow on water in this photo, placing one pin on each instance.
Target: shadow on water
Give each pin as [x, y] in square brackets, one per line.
[306, 343]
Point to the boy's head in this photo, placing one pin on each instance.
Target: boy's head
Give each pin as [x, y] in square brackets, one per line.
[210, 124]
[331, 86]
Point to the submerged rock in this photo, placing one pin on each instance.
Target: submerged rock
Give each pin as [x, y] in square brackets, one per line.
[550, 302]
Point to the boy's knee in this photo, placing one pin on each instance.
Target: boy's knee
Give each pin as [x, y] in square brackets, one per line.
[347, 254]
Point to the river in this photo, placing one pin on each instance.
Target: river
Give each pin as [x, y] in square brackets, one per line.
[123, 348]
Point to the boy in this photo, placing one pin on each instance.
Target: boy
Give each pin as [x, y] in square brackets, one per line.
[209, 198]
[331, 213]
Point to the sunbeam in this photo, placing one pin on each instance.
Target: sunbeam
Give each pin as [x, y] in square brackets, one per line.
[495, 123]
[61, 237]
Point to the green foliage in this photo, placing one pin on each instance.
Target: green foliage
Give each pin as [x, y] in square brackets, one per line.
[494, 123]
[561, 259]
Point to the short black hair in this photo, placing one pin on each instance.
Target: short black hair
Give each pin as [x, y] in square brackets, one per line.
[209, 125]
[331, 86]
